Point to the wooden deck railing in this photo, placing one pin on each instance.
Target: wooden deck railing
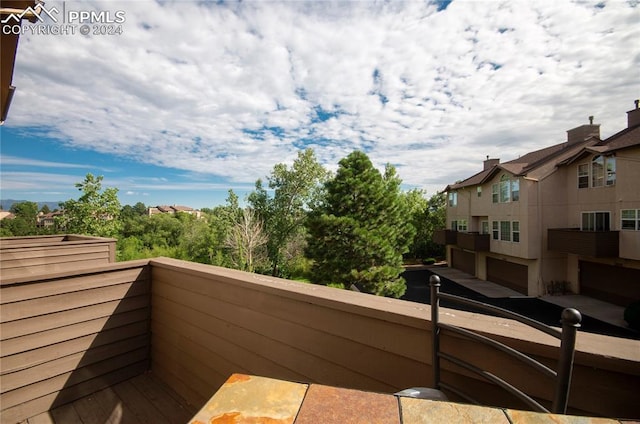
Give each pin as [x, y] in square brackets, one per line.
[66, 334]
[209, 322]
[47, 254]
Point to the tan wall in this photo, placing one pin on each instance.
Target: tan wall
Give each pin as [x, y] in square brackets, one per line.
[630, 245]
[67, 335]
[46, 254]
[209, 322]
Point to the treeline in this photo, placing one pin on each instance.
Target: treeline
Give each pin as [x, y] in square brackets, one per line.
[352, 228]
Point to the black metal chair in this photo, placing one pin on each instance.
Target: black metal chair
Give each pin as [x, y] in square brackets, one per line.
[561, 378]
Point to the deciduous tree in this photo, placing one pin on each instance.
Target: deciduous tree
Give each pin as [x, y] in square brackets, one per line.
[245, 240]
[95, 213]
[294, 188]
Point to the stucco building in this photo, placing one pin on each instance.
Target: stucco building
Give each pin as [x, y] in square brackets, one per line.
[566, 215]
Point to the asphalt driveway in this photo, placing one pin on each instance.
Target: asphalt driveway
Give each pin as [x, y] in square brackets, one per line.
[545, 312]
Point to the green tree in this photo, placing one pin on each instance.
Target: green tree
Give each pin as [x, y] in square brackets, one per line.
[360, 233]
[436, 219]
[128, 211]
[426, 215]
[26, 210]
[95, 213]
[45, 209]
[295, 189]
[25, 221]
[221, 220]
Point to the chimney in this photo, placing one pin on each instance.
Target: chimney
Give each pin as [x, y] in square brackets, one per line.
[489, 163]
[583, 132]
[633, 116]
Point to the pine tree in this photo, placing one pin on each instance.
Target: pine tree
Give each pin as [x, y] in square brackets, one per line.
[359, 234]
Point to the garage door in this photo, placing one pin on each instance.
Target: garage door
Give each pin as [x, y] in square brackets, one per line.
[508, 274]
[613, 284]
[464, 261]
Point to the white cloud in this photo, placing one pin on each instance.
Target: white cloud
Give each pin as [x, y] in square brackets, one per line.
[434, 92]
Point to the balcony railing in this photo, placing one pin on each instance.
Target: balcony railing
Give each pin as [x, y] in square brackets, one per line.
[597, 244]
[68, 334]
[470, 241]
[473, 241]
[444, 237]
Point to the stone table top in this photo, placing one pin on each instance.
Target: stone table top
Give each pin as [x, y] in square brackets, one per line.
[245, 399]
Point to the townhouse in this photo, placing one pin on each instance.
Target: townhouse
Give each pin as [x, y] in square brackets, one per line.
[564, 216]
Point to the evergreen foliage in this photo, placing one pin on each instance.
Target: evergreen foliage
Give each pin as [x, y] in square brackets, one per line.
[357, 237]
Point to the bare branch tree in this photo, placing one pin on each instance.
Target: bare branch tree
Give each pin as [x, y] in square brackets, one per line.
[245, 240]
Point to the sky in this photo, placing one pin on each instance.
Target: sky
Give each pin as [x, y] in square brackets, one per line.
[190, 99]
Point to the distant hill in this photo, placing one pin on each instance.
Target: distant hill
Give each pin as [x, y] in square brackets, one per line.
[6, 204]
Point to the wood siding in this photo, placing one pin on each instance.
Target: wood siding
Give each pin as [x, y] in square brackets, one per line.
[597, 244]
[67, 335]
[473, 241]
[70, 334]
[210, 322]
[47, 254]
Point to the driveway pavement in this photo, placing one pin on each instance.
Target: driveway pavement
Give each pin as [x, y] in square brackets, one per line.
[543, 309]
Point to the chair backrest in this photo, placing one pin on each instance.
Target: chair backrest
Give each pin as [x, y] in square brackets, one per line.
[562, 376]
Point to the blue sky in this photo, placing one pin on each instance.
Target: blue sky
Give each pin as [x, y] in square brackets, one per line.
[196, 98]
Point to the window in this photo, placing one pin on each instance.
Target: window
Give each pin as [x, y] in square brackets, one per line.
[496, 230]
[453, 198]
[583, 175]
[506, 190]
[454, 225]
[494, 193]
[603, 172]
[479, 191]
[595, 221]
[505, 230]
[515, 190]
[505, 194]
[597, 171]
[515, 228]
[630, 219]
[484, 227]
[462, 225]
[611, 170]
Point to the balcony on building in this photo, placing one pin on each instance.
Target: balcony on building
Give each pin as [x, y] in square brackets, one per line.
[596, 244]
[69, 332]
[473, 241]
[444, 237]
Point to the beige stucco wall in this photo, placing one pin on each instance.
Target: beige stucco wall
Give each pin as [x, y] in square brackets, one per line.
[553, 200]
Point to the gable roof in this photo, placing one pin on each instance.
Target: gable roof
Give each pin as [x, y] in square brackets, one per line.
[533, 164]
[627, 138]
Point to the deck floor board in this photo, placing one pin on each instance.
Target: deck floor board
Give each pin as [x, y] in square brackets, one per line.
[142, 399]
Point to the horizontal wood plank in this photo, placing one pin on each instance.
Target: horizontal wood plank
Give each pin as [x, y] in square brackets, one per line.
[21, 254]
[23, 327]
[45, 288]
[66, 364]
[34, 357]
[57, 335]
[68, 394]
[67, 301]
[56, 384]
